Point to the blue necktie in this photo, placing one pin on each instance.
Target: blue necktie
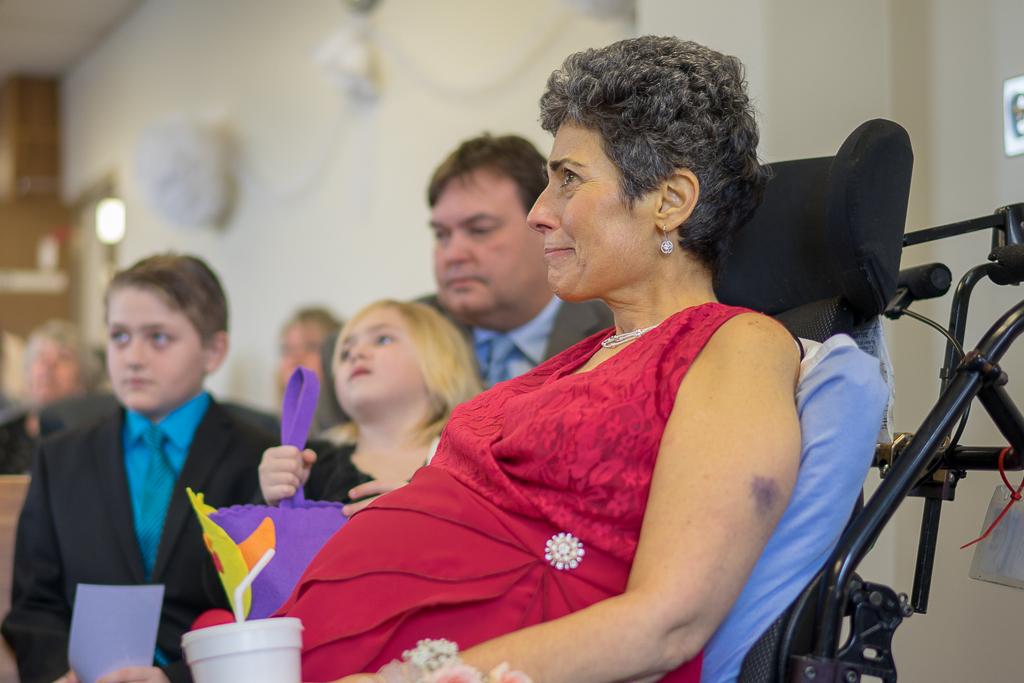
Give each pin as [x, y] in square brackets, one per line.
[160, 478]
[502, 351]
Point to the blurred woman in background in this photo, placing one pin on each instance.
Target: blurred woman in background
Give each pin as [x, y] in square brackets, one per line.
[57, 365]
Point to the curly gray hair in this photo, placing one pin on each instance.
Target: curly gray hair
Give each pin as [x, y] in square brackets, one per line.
[660, 104]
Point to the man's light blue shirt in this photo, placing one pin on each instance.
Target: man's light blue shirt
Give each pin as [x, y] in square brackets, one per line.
[530, 339]
[179, 426]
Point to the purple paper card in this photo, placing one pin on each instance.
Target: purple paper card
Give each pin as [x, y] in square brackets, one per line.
[113, 627]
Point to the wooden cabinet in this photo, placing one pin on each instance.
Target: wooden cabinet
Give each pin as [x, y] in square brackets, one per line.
[29, 138]
[30, 294]
[35, 271]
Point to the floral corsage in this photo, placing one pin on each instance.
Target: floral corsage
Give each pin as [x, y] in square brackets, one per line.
[437, 661]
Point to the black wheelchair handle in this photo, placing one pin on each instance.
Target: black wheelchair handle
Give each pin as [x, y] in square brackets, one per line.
[1009, 261]
[929, 281]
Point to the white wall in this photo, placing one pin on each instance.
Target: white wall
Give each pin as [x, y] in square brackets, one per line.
[359, 231]
[817, 70]
[811, 87]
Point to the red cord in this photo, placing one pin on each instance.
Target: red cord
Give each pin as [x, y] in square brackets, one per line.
[1015, 495]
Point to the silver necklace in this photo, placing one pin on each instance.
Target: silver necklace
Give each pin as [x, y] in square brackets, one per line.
[620, 339]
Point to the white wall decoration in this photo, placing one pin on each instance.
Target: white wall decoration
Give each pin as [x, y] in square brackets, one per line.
[1013, 116]
[182, 166]
[348, 61]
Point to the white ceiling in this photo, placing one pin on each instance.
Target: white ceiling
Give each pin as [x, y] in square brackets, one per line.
[47, 37]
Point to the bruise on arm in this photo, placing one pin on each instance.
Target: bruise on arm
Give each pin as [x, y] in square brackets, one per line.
[765, 493]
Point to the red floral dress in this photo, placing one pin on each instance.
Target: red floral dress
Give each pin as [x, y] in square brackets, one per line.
[551, 469]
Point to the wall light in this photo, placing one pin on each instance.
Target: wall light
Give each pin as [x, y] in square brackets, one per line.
[110, 220]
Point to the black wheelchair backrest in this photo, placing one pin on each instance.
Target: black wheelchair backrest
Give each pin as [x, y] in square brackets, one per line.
[822, 252]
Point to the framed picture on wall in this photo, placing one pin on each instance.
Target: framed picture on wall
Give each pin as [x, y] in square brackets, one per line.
[1013, 116]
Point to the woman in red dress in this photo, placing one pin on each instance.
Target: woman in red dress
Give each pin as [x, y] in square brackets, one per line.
[594, 519]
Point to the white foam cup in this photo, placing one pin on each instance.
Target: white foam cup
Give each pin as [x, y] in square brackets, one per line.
[257, 651]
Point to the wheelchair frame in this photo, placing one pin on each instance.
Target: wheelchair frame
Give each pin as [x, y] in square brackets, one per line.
[922, 464]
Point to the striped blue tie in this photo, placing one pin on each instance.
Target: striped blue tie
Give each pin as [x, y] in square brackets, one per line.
[503, 350]
[160, 478]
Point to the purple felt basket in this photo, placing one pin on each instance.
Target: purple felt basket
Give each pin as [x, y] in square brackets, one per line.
[301, 526]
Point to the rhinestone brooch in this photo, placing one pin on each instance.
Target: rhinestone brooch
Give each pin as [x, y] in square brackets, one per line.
[564, 551]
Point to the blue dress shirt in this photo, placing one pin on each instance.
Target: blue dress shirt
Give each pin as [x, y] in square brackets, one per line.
[179, 426]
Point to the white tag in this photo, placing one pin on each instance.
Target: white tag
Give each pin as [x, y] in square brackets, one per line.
[1000, 557]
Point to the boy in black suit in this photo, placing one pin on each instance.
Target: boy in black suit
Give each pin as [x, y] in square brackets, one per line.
[107, 502]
